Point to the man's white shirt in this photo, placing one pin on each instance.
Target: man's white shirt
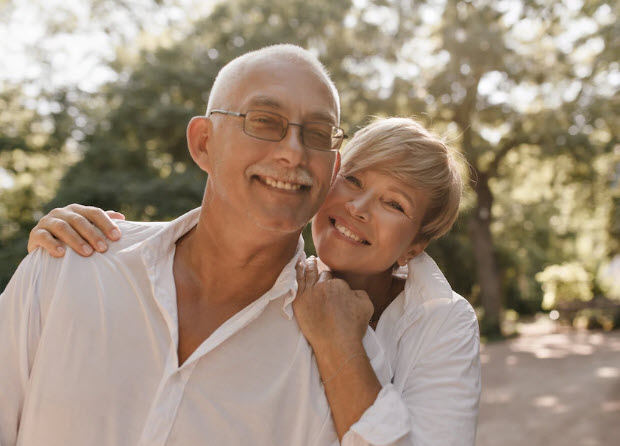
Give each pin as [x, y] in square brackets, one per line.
[88, 356]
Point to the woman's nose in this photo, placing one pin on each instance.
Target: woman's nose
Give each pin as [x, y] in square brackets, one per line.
[357, 207]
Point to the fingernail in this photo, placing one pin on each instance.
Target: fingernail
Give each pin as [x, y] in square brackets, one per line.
[114, 234]
[86, 249]
[101, 246]
[60, 250]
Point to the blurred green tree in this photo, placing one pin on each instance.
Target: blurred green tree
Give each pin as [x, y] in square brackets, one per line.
[526, 90]
[521, 82]
[34, 149]
[136, 158]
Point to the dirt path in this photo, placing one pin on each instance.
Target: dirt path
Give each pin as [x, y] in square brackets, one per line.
[551, 390]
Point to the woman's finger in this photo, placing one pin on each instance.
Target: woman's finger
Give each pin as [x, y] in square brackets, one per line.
[301, 277]
[366, 305]
[65, 232]
[311, 271]
[115, 215]
[88, 225]
[100, 219]
[325, 276]
[40, 238]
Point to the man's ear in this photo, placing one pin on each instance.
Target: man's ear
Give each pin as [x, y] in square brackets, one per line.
[415, 249]
[199, 130]
[336, 168]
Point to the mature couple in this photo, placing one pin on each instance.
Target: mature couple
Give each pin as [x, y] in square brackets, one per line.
[215, 329]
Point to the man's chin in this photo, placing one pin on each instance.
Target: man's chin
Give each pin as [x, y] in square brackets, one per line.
[283, 224]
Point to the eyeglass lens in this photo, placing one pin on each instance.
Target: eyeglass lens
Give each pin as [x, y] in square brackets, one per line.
[272, 127]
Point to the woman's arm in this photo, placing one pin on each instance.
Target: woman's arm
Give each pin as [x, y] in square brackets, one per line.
[83, 228]
[442, 392]
[438, 403]
[334, 320]
[435, 399]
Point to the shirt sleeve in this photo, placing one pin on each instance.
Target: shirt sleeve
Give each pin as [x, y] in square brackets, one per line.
[439, 402]
[20, 328]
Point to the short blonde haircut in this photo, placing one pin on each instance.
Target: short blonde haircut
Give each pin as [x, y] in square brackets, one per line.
[405, 150]
[229, 76]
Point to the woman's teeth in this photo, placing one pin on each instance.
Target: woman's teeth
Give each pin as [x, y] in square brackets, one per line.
[347, 233]
[281, 184]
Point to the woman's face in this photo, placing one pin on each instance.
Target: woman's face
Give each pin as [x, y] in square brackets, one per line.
[368, 222]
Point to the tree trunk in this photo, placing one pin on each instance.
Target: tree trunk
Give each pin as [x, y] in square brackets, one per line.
[487, 271]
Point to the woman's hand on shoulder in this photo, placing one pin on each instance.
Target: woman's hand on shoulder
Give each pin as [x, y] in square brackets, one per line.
[329, 313]
[84, 229]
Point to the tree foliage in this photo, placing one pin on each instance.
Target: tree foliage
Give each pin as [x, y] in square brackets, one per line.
[526, 90]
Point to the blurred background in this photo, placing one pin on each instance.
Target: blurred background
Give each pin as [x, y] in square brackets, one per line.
[95, 97]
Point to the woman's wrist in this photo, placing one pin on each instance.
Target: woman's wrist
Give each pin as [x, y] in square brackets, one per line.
[349, 380]
[333, 357]
[360, 355]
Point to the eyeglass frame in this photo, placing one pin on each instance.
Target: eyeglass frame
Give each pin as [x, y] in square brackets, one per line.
[285, 130]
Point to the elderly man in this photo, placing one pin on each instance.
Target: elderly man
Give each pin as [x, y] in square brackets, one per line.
[182, 333]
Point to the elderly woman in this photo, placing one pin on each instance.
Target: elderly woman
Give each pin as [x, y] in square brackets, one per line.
[398, 188]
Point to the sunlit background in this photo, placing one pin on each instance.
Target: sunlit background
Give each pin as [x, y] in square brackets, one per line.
[95, 96]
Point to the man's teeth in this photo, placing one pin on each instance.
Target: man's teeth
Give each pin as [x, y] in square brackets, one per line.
[348, 233]
[281, 184]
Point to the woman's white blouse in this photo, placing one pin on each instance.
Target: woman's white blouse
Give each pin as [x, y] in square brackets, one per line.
[432, 344]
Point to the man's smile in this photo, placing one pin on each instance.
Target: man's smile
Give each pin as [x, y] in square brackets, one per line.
[281, 184]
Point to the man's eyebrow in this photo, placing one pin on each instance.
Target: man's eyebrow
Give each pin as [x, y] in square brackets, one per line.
[322, 117]
[270, 102]
[264, 101]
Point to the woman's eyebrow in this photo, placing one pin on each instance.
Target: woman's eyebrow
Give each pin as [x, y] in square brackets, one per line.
[405, 196]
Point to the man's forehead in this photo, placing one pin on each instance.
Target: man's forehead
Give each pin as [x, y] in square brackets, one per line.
[265, 101]
[275, 83]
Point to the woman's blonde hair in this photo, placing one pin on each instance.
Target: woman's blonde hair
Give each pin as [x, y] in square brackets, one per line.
[405, 150]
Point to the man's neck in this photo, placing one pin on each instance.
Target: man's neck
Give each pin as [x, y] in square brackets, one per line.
[227, 261]
[219, 269]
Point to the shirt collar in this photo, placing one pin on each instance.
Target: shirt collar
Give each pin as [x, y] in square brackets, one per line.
[157, 254]
[287, 280]
[425, 281]
[161, 244]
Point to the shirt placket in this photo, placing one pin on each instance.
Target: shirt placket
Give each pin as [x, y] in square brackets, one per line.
[165, 406]
[163, 411]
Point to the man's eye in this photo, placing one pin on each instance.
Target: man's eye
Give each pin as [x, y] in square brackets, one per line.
[317, 137]
[319, 134]
[265, 120]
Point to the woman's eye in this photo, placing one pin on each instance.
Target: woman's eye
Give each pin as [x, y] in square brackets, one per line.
[352, 179]
[396, 205]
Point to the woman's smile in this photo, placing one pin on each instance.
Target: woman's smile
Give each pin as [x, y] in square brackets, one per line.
[368, 222]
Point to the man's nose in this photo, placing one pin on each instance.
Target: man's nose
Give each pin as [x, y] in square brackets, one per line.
[291, 149]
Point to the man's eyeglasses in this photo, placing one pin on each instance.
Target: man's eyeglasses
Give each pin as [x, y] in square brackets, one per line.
[270, 126]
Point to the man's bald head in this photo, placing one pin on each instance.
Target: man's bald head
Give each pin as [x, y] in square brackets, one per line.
[232, 73]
